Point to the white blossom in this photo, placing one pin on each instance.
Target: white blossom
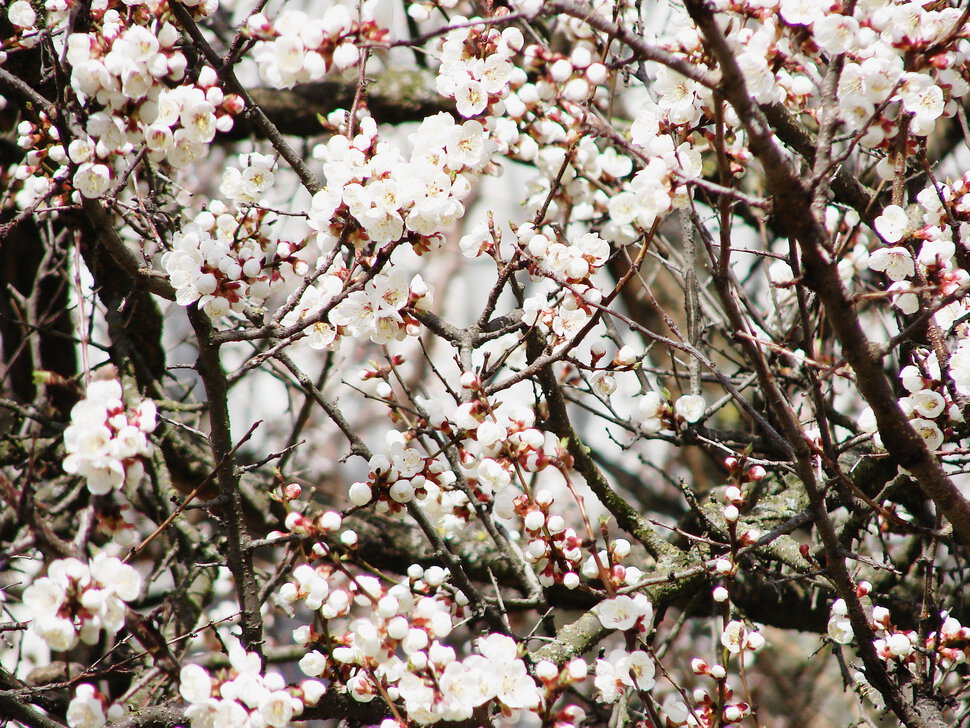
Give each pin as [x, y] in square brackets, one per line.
[691, 407]
[897, 263]
[892, 224]
[21, 15]
[929, 431]
[737, 637]
[623, 612]
[92, 180]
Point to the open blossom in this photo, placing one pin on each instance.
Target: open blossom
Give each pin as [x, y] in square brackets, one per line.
[623, 612]
[276, 709]
[247, 185]
[836, 33]
[677, 96]
[800, 12]
[637, 670]
[621, 670]
[737, 637]
[892, 224]
[470, 98]
[903, 297]
[929, 431]
[608, 681]
[897, 263]
[646, 125]
[757, 76]
[839, 629]
[92, 180]
[922, 97]
[928, 403]
[512, 684]
[195, 685]
[320, 334]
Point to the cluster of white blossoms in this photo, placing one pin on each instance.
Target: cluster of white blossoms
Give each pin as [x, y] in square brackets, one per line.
[129, 73]
[308, 312]
[76, 601]
[105, 441]
[559, 555]
[570, 262]
[401, 474]
[839, 627]
[951, 641]
[375, 193]
[451, 689]
[875, 38]
[714, 707]
[298, 48]
[246, 184]
[924, 223]
[560, 314]
[388, 640]
[227, 259]
[132, 74]
[891, 642]
[475, 65]
[375, 312]
[928, 404]
[246, 697]
[921, 264]
[620, 671]
[783, 47]
[648, 196]
[629, 671]
[572, 166]
[574, 260]
[556, 549]
[396, 648]
[499, 438]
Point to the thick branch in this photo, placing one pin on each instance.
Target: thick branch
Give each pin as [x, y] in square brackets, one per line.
[14, 708]
[395, 96]
[239, 558]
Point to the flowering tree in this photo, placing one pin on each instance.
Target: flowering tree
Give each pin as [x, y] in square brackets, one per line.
[484, 363]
